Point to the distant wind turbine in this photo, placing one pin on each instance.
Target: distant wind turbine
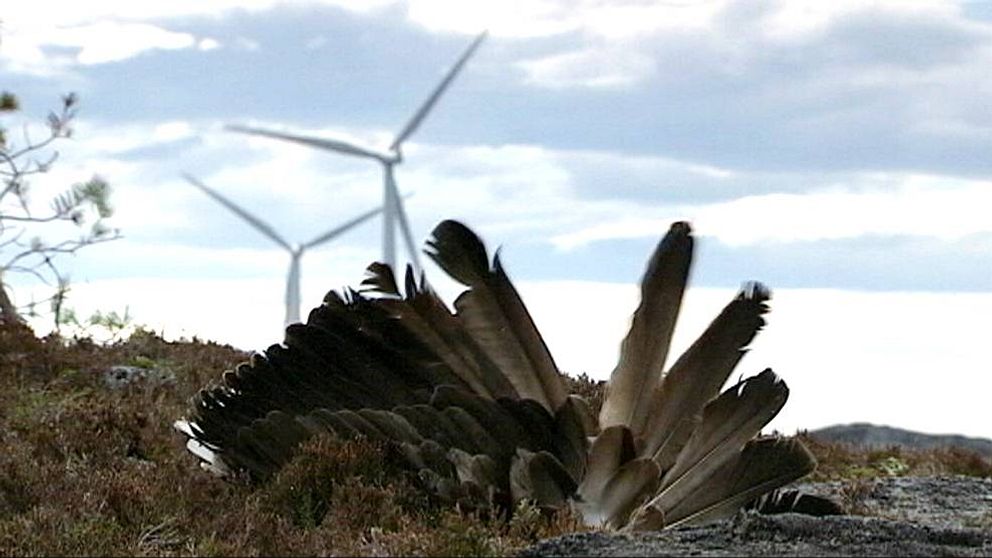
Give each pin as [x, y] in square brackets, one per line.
[394, 214]
[295, 250]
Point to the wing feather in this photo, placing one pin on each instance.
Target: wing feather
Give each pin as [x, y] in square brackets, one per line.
[645, 348]
[495, 316]
[697, 376]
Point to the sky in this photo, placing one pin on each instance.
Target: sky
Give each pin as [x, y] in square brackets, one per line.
[840, 152]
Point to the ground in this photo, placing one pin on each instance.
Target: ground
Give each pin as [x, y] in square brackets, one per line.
[91, 465]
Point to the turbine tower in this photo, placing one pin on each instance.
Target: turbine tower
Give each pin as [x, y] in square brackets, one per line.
[394, 214]
[295, 250]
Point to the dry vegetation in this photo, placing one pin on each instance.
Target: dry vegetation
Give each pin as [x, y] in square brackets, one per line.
[86, 469]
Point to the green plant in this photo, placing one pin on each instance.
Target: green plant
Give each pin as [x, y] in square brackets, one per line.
[101, 327]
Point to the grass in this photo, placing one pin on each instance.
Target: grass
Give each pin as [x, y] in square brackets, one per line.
[89, 470]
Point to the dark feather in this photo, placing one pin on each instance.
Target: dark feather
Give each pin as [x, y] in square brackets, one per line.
[645, 348]
[493, 314]
[728, 423]
[697, 376]
[764, 464]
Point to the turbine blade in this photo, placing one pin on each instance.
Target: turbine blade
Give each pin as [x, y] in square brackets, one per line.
[426, 107]
[411, 247]
[259, 225]
[341, 146]
[343, 228]
[293, 290]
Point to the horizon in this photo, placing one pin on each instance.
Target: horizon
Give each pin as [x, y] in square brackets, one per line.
[837, 153]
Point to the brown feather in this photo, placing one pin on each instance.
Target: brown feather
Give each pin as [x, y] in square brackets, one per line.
[729, 422]
[762, 466]
[495, 316]
[540, 477]
[645, 348]
[609, 451]
[697, 376]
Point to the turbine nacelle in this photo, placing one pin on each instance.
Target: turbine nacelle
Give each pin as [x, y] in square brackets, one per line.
[394, 215]
[295, 249]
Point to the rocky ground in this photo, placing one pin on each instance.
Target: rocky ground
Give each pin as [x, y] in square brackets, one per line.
[895, 516]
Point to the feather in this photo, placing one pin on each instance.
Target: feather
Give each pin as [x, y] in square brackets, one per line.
[474, 402]
[572, 433]
[645, 348]
[610, 450]
[380, 279]
[480, 470]
[795, 501]
[495, 316]
[696, 377]
[508, 432]
[729, 422]
[762, 466]
[627, 488]
[474, 438]
[430, 423]
[541, 478]
[393, 426]
[425, 316]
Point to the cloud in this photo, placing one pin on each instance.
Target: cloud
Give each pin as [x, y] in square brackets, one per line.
[44, 50]
[542, 18]
[584, 204]
[104, 42]
[207, 44]
[915, 205]
[595, 68]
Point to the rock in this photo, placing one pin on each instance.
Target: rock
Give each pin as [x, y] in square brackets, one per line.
[923, 516]
[117, 377]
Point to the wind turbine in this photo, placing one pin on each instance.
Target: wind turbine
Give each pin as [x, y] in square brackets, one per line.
[295, 250]
[394, 214]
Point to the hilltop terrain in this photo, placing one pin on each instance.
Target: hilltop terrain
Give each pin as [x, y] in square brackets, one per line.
[91, 465]
[871, 436]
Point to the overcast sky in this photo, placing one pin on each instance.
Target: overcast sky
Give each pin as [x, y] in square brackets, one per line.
[840, 152]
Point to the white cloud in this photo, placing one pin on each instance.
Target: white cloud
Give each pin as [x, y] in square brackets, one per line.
[922, 206]
[24, 49]
[208, 44]
[513, 18]
[916, 205]
[622, 19]
[104, 42]
[58, 13]
[794, 19]
[592, 67]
